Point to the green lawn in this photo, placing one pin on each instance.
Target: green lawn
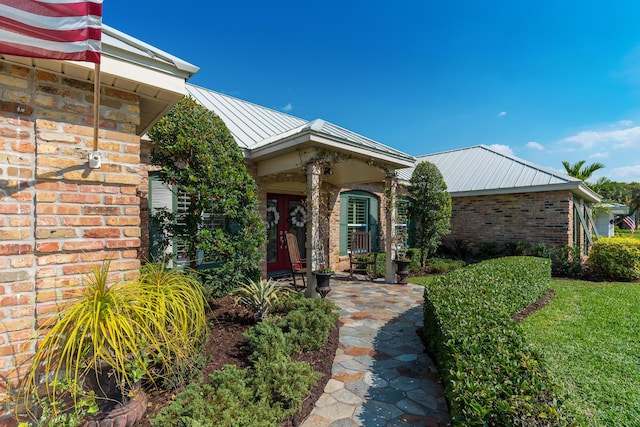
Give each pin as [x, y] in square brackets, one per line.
[589, 337]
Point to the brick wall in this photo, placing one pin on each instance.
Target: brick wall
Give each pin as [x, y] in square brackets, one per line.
[58, 218]
[526, 217]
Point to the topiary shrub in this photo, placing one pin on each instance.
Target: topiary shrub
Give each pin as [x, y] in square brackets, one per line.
[614, 258]
[492, 376]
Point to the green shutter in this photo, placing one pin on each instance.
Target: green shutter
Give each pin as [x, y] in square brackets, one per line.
[374, 221]
[344, 210]
[359, 207]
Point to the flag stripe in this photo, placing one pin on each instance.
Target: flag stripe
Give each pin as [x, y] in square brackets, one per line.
[56, 8]
[36, 52]
[62, 22]
[55, 29]
[65, 31]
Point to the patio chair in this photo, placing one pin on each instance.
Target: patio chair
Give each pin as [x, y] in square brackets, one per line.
[298, 265]
[360, 255]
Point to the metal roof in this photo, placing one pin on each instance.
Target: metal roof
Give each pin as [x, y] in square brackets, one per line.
[250, 124]
[480, 170]
[254, 126]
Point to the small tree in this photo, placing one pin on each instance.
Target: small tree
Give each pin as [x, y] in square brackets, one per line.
[199, 157]
[430, 207]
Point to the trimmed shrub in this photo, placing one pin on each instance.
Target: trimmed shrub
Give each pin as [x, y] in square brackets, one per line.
[443, 265]
[227, 399]
[270, 391]
[615, 258]
[565, 260]
[492, 376]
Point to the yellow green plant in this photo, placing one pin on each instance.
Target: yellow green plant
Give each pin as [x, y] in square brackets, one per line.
[160, 314]
[259, 295]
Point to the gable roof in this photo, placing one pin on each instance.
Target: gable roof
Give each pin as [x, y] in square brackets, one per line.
[256, 128]
[481, 170]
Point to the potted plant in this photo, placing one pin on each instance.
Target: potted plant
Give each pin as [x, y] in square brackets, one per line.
[323, 280]
[402, 266]
[105, 339]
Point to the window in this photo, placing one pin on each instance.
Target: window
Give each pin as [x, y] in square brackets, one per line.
[359, 211]
[163, 197]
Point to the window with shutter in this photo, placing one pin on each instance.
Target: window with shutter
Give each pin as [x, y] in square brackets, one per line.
[164, 196]
[359, 211]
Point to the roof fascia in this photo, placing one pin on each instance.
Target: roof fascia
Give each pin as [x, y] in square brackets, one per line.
[152, 57]
[576, 188]
[309, 135]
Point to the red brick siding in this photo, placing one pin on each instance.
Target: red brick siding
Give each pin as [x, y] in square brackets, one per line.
[58, 217]
[526, 217]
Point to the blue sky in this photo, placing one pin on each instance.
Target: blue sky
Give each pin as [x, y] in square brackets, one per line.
[545, 81]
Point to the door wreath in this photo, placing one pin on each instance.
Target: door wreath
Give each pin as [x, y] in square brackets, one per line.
[298, 216]
[273, 217]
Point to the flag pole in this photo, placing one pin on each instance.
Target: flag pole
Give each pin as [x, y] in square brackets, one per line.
[95, 158]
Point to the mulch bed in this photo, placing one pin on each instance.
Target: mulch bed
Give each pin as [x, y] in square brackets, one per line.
[527, 311]
[226, 347]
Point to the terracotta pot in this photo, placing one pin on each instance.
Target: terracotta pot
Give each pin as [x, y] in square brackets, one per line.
[117, 408]
[124, 414]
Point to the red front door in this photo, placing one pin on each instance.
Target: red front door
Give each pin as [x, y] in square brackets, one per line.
[285, 213]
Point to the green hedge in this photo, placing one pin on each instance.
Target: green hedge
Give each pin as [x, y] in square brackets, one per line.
[615, 258]
[273, 389]
[492, 376]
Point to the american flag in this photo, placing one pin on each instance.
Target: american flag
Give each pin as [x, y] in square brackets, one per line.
[53, 29]
[631, 222]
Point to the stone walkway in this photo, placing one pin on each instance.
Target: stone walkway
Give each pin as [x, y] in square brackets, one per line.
[381, 374]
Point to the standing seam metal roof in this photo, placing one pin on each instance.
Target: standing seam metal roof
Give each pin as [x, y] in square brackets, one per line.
[254, 126]
[482, 168]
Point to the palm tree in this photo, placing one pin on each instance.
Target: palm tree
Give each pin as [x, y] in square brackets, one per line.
[578, 171]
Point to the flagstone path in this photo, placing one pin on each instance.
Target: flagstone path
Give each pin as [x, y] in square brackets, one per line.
[381, 374]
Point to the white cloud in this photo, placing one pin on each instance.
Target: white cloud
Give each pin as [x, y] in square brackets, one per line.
[502, 113]
[625, 173]
[287, 108]
[617, 138]
[504, 149]
[600, 155]
[535, 145]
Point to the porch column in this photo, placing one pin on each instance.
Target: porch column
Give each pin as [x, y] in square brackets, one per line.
[314, 245]
[390, 190]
